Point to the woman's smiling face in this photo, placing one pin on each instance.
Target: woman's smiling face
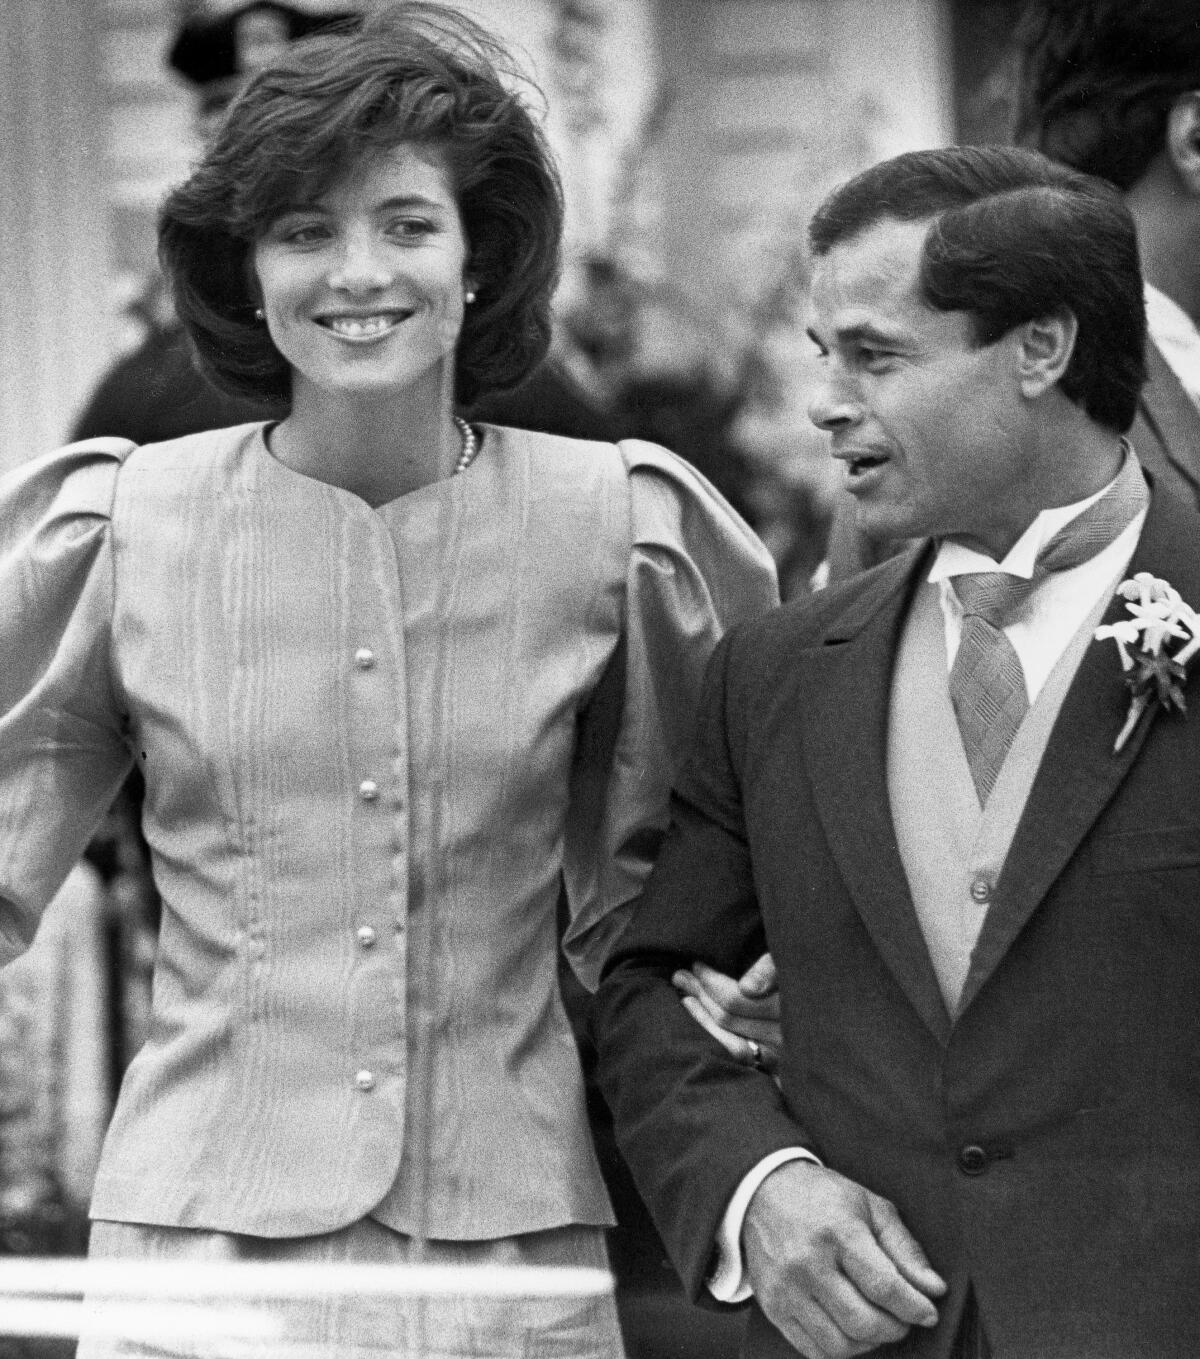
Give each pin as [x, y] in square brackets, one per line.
[362, 288]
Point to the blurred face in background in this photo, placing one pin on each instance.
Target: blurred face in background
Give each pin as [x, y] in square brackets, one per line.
[257, 37]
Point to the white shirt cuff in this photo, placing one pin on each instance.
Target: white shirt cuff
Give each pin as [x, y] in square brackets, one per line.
[727, 1282]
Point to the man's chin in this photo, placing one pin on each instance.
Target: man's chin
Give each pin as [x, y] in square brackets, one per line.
[884, 524]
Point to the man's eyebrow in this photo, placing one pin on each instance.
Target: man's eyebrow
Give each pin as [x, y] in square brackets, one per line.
[862, 332]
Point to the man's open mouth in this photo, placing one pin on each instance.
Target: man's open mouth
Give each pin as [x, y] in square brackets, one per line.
[864, 462]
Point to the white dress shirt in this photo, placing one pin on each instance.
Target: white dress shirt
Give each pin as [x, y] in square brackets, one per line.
[1056, 609]
[1176, 338]
[1039, 635]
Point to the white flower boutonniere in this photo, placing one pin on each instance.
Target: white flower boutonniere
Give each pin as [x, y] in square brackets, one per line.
[1159, 616]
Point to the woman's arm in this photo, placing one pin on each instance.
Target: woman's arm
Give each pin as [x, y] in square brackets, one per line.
[695, 570]
[62, 749]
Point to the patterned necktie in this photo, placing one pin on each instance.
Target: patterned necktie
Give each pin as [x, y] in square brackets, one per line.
[987, 682]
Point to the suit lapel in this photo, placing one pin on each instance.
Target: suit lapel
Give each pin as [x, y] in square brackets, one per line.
[845, 713]
[1079, 773]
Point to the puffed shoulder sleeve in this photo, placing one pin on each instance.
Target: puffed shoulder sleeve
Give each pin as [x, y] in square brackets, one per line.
[62, 753]
[695, 569]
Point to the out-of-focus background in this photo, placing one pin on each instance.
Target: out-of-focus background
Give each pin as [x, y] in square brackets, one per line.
[695, 137]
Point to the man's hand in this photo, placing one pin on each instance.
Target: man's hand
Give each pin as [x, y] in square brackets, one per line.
[742, 1014]
[832, 1265]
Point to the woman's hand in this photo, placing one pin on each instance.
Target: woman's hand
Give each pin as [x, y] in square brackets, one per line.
[742, 1014]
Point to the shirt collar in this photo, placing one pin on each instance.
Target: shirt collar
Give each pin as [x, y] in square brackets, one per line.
[1176, 338]
[1167, 321]
[954, 559]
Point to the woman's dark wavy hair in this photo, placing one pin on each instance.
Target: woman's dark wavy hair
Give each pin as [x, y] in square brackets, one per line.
[1097, 78]
[416, 73]
[1014, 237]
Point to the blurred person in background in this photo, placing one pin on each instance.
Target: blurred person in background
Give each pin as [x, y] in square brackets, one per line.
[1112, 88]
[388, 676]
[156, 392]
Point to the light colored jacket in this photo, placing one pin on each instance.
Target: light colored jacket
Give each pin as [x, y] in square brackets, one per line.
[372, 741]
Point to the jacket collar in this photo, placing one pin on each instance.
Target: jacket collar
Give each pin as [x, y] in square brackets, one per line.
[844, 705]
[1079, 773]
[845, 702]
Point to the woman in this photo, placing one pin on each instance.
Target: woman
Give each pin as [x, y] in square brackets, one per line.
[387, 675]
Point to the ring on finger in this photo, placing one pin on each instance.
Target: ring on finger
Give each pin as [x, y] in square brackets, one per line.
[756, 1055]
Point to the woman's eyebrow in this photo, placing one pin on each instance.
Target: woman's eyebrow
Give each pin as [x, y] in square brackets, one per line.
[414, 200]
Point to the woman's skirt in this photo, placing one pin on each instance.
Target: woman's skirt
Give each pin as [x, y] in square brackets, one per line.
[455, 1327]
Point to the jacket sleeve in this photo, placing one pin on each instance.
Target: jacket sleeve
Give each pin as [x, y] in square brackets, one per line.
[62, 750]
[695, 569]
[690, 1120]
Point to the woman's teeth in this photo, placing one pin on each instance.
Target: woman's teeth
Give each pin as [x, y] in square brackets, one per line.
[356, 327]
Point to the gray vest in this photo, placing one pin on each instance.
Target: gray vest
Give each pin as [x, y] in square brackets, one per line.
[952, 850]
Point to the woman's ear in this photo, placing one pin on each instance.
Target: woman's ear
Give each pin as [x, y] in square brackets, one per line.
[1183, 139]
[1045, 346]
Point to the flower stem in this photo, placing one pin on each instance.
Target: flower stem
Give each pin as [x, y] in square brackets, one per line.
[1186, 653]
[1136, 708]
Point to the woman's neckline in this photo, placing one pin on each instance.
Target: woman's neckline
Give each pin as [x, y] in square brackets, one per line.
[437, 486]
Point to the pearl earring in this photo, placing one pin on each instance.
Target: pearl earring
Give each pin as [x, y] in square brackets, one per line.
[469, 297]
[259, 314]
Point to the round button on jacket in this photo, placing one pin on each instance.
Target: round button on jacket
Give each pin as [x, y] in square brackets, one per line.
[365, 1080]
[972, 1159]
[364, 658]
[366, 936]
[981, 890]
[368, 790]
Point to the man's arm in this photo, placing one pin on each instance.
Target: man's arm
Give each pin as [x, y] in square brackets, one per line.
[830, 1263]
[692, 1120]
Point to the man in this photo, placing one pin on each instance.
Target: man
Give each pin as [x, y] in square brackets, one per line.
[986, 921]
[1112, 88]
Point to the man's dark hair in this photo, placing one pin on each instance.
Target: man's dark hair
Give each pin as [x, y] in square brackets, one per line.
[1097, 78]
[419, 74]
[1014, 237]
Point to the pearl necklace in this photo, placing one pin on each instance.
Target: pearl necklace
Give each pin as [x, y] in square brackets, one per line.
[470, 446]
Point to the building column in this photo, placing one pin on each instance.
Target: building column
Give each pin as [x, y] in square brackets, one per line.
[53, 221]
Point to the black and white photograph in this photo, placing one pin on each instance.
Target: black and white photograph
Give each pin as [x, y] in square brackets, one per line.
[599, 743]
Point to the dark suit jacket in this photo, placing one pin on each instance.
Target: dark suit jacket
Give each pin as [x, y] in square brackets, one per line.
[1166, 434]
[1044, 1147]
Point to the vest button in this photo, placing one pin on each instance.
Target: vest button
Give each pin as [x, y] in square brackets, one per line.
[365, 1080]
[366, 936]
[981, 889]
[368, 790]
[972, 1159]
[364, 658]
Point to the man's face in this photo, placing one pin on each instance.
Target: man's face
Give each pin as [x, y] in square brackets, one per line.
[928, 424]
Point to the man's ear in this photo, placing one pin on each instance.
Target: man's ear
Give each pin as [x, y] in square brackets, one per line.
[1183, 139]
[1044, 349]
